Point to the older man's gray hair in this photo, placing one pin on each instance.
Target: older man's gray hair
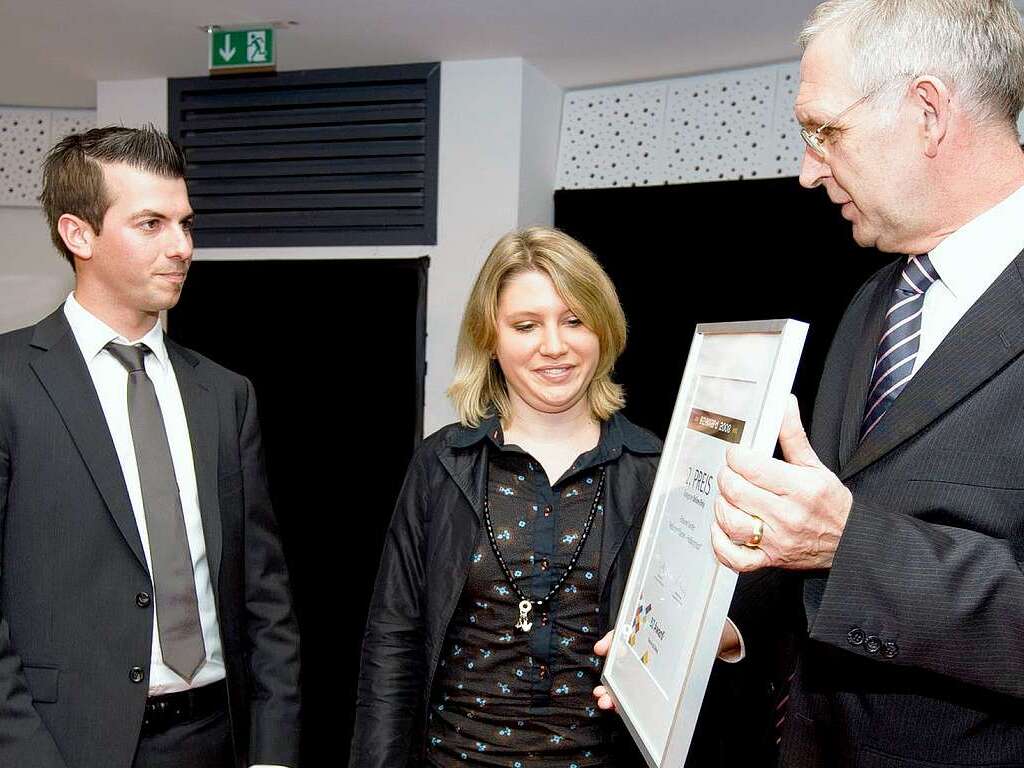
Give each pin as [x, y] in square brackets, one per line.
[975, 46]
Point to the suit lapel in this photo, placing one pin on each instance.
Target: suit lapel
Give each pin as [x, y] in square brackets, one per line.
[63, 373]
[985, 340]
[862, 365]
[199, 401]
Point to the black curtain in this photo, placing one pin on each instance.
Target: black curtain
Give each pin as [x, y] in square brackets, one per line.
[694, 253]
[335, 350]
[723, 251]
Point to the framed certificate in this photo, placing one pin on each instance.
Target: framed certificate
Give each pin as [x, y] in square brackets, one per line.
[734, 390]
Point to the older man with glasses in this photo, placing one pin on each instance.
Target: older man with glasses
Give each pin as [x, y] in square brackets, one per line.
[904, 512]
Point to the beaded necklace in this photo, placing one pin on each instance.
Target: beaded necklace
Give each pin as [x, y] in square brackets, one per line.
[525, 604]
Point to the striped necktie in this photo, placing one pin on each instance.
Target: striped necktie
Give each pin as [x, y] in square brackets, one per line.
[900, 342]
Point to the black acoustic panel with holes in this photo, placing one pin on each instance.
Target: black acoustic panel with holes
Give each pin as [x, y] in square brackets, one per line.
[312, 157]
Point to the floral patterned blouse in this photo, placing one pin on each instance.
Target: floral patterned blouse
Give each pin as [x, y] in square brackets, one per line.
[504, 697]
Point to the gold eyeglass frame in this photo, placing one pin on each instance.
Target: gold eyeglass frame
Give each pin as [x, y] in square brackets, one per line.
[814, 140]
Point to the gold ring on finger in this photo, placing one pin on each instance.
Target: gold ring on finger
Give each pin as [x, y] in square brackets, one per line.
[755, 538]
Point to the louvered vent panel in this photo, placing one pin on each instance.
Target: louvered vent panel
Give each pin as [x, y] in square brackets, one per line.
[315, 157]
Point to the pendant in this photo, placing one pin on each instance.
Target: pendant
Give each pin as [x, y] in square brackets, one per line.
[524, 622]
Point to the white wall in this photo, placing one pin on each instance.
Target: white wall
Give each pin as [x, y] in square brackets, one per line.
[34, 278]
[499, 127]
[132, 102]
[538, 163]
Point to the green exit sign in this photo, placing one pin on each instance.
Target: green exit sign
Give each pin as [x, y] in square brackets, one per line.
[242, 50]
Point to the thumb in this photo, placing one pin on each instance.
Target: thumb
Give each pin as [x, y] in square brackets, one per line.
[793, 439]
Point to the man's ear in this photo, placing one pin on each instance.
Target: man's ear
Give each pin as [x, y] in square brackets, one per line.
[77, 234]
[930, 98]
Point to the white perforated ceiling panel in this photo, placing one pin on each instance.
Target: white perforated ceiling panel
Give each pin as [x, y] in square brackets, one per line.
[727, 125]
[718, 125]
[611, 136]
[786, 148]
[25, 136]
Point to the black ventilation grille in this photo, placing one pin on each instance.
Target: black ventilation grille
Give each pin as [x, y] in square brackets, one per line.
[313, 157]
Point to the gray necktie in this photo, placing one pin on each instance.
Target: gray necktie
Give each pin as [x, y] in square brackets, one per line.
[177, 608]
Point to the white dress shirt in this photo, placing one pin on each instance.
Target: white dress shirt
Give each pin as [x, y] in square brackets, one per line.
[968, 262]
[111, 381]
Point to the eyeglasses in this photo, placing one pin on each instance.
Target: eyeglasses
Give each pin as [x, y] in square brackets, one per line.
[815, 140]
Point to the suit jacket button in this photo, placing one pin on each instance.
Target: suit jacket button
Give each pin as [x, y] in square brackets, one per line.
[855, 636]
[872, 643]
[136, 674]
[142, 599]
[889, 650]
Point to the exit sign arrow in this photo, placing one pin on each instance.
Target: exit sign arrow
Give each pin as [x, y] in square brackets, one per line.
[227, 51]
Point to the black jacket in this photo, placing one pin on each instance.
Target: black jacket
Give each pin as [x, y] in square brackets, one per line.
[425, 564]
[436, 525]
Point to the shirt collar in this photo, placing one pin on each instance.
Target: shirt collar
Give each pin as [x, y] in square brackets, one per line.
[92, 334]
[617, 433]
[970, 259]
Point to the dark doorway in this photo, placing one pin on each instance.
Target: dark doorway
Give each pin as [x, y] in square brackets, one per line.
[695, 253]
[335, 350]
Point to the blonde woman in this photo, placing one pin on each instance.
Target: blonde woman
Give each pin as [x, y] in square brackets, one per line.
[513, 534]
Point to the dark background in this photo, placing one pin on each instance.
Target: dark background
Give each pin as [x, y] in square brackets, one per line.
[721, 251]
[335, 351]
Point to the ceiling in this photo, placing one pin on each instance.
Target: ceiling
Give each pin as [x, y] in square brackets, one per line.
[53, 51]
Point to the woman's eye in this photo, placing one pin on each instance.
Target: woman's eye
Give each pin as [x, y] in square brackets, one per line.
[574, 322]
[523, 327]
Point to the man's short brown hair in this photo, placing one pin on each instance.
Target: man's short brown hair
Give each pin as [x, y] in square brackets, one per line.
[73, 176]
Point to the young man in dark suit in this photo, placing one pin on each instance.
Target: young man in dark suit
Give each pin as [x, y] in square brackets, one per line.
[145, 614]
[905, 510]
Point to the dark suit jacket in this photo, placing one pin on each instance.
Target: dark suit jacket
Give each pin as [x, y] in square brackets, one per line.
[72, 563]
[916, 636]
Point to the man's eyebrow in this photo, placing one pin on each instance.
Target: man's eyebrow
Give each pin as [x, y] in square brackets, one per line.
[147, 213]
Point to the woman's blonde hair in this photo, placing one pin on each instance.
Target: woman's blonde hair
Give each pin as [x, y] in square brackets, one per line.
[479, 388]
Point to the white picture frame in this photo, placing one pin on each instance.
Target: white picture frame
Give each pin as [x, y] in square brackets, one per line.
[737, 379]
